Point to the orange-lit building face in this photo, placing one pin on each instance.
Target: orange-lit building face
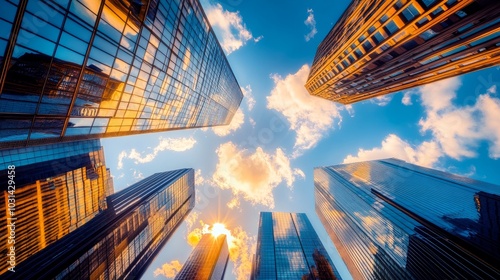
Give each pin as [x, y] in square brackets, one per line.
[379, 47]
[57, 191]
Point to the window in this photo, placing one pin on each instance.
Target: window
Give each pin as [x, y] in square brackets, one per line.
[391, 27]
[367, 46]
[384, 18]
[410, 13]
[378, 37]
[427, 34]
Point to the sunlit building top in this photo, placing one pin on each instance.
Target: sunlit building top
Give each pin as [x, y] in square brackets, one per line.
[379, 47]
[208, 260]
[86, 69]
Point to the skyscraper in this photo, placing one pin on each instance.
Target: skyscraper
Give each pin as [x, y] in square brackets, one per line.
[379, 47]
[208, 260]
[393, 220]
[289, 248]
[86, 69]
[121, 241]
[56, 189]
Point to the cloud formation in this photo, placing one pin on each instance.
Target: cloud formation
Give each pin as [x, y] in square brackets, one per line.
[459, 130]
[310, 116]
[247, 92]
[236, 122]
[241, 247]
[172, 144]
[253, 175]
[311, 23]
[229, 27]
[382, 100]
[169, 270]
[425, 154]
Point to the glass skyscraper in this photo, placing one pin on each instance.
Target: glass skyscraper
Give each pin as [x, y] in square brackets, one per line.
[393, 220]
[121, 241]
[289, 248]
[87, 69]
[208, 261]
[383, 46]
[58, 188]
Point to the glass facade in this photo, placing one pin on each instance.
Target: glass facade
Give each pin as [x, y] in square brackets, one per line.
[379, 47]
[208, 260]
[58, 188]
[289, 248]
[120, 242]
[87, 69]
[394, 220]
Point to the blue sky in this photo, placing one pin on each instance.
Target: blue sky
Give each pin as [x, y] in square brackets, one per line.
[264, 160]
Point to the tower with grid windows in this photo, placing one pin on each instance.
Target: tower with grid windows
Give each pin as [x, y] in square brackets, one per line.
[383, 46]
[289, 248]
[390, 219]
[83, 69]
[208, 260]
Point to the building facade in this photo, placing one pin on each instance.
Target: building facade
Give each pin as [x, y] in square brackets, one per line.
[379, 47]
[289, 248]
[56, 189]
[72, 70]
[122, 240]
[393, 220]
[208, 261]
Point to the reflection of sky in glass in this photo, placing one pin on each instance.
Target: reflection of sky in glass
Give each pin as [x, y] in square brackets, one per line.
[370, 230]
[289, 248]
[166, 72]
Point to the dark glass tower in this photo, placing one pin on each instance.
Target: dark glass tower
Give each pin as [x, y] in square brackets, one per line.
[58, 188]
[122, 240]
[289, 248]
[208, 260]
[394, 220]
[383, 46]
[85, 69]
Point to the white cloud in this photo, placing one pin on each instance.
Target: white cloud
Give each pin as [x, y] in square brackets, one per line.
[406, 100]
[310, 116]
[121, 156]
[247, 92]
[168, 270]
[382, 100]
[198, 178]
[311, 23]
[229, 27]
[459, 130]
[456, 130]
[235, 124]
[253, 175]
[172, 144]
[425, 154]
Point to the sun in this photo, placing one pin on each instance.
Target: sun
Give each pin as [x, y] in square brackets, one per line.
[218, 229]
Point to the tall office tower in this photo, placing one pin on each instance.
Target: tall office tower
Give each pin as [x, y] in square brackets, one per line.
[289, 248]
[208, 260]
[85, 69]
[54, 189]
[393, 220]
[122, 240]
[383, 46]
